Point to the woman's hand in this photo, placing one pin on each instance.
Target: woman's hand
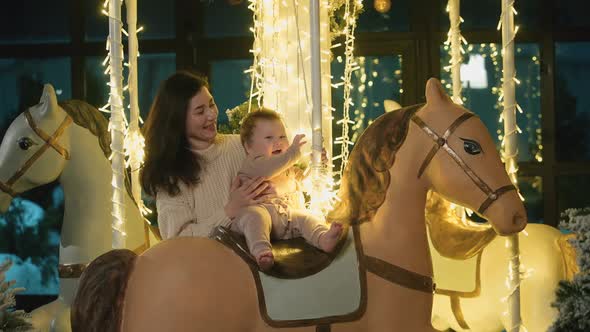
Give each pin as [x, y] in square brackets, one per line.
[244, 193]
[271, 191]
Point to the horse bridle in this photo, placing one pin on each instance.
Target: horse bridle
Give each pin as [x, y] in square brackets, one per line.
[441, 142]
[50, 141]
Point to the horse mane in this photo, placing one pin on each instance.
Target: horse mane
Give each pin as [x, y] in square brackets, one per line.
[87, 116]
[452, 236]
[366, 177]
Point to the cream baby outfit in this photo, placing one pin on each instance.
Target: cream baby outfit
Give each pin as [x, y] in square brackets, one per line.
[282, 217]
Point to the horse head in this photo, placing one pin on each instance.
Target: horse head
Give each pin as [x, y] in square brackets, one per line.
[461, 162]
[36, 139]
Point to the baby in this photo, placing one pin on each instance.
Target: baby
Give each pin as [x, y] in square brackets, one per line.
[269, 154]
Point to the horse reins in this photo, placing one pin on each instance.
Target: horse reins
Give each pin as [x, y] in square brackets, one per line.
[442, 142]
[50, 141]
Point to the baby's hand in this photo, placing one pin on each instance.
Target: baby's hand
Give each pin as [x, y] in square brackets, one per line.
[298, 141]
[325, 160]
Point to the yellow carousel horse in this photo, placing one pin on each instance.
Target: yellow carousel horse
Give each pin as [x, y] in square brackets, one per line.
[69, 142]
[199, 284]
[471, 266]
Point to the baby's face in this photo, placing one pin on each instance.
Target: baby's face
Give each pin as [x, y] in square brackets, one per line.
[269, 138]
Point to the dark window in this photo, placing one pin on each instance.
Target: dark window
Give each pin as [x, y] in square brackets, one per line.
[157, 18]
[572, 101]
[481, 74]
[26, 22]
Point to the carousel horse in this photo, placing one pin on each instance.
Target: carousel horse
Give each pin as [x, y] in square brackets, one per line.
[471, 264]
[199, 284]
[69, 142]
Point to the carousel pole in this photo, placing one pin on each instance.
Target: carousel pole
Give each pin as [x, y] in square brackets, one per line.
[117, 122]
[135, 141]
[455, 38]
[511, 152]
[456, 58]
[316, 86]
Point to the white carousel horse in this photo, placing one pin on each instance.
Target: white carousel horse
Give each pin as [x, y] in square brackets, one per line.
[471, 282]
[51, 141]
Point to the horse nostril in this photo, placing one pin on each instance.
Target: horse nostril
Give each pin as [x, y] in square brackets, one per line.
[518, 220]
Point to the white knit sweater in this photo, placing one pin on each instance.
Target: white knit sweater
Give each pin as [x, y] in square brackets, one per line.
[196, 210]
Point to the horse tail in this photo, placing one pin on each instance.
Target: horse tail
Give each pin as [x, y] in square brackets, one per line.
[99, 300]
[568, 254]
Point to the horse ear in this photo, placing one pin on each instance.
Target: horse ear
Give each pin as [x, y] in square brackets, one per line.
[435, 91]
[390, 105]
[48, 100]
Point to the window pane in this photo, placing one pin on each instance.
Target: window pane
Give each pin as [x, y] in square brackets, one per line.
[229, 84]
[153, 69]
[481, 74]
[395, 19]
[569, 193]
[219, 13]
[485, 14]
[572, 101]
[571, 13]
[29, 237]
[27, 22]
[156, 16]
[22, 84]
[531, 188]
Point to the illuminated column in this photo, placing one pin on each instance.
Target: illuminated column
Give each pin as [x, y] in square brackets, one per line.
[117, 122]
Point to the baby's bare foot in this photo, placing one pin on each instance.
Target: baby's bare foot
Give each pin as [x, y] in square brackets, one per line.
[329, 239]
[265, 261]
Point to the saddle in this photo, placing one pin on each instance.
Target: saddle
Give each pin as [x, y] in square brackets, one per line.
[309, 287]
[306, 286]
[294, 258]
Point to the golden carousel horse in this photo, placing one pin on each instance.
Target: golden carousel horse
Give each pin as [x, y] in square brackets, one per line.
[200, 284]
[470, 266]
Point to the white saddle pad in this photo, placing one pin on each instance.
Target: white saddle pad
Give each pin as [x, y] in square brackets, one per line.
[334, 291]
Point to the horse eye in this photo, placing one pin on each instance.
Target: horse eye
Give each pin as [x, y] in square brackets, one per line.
[471, 146]
[25, 143]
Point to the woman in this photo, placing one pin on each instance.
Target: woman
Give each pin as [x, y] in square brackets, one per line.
[190, 168]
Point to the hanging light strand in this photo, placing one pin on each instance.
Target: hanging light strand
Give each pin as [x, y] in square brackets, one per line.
[350, 65]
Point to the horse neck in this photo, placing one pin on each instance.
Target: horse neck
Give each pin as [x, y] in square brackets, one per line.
[86, 180]
[397, 233]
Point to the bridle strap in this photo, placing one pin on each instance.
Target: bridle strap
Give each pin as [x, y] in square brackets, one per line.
[7, 190]
[494, 196]
[442, 142]
[50, 141]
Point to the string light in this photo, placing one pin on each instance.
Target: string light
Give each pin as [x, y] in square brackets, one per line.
[117, 121]
[454, 39]
[350, 13]
[280, 73]
[127, 143]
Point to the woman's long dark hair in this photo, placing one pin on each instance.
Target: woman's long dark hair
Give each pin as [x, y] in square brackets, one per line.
[167, 159]
[99, 299]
